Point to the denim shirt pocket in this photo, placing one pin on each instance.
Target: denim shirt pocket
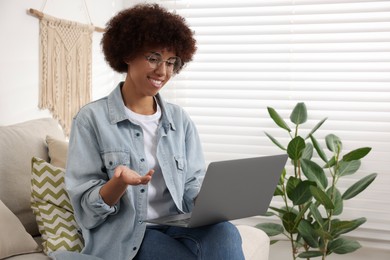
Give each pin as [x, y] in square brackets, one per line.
[112, 160]
[179, 163]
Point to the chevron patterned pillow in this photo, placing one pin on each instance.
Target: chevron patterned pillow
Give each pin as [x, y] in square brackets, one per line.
[51, 206]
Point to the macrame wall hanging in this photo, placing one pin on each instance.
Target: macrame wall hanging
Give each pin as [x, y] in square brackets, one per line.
[65, 54]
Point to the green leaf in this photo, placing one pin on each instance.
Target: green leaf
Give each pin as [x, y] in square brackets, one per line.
[356, 154]
[316, 215]
[302, 212]
[278, 191]
[337, 201]
[343, 246]
[292, 184]
[271, 229]
[323, 234]
[275, 141]
[269, 214]
[282, 177]
[341, 227]
[322, 197]
[280, 211]
[302, 194]
[331, 162]
[359, 186]
[308, 151]
[314, 172]
[348, 167]
[289, 222]
[318, 148]
[309, 254]
[316, 127]
[308, 233]
[295, 148]
[278, 119]
[291, 209]
[333, 143]
[299, 114]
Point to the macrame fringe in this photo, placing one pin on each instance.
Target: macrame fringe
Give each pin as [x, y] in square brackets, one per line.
[65, 76]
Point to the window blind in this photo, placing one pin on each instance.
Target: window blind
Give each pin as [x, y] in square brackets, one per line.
[334, 55]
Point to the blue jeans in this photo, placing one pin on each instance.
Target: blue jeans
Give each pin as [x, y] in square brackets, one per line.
[215, 242]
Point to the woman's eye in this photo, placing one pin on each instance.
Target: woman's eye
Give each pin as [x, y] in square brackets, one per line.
[171, 62]
[153, 59]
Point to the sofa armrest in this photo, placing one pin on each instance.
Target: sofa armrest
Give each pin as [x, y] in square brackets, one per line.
[255, 243]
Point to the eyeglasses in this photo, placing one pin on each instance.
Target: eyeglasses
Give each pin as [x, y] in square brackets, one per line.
[173, 64]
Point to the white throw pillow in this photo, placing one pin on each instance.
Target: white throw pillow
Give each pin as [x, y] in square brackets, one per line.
[58, 151]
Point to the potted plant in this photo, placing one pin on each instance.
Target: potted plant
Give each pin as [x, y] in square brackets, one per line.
[312, 203]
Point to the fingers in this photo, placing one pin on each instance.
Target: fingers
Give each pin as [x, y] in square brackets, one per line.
[150, 173]
[131, 177]
[145, 179]
[118, 172]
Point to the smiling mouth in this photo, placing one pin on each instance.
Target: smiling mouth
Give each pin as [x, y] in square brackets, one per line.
[156, 83]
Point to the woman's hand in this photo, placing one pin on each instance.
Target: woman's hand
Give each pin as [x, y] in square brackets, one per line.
[131, 177]
[113, 190]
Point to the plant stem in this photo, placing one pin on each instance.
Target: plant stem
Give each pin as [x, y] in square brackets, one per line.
[292, 246]
[332, 196]
[299, 169]
[290, 237]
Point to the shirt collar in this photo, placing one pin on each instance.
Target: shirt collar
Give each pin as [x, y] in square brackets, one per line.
[166, 118]
[116, 110]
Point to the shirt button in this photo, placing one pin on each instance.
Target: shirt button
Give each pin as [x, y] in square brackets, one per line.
[134, 248]
[140, 221]
[137, 134]
[142, 159]
[142, 190]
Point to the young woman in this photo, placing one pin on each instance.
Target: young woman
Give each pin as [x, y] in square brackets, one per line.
[133, 156]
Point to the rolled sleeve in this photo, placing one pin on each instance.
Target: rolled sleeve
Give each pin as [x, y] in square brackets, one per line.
[100, 207]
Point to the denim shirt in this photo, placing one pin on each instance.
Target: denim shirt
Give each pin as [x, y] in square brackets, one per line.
[102, 137]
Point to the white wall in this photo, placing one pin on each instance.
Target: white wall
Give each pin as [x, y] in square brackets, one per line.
[19, 53]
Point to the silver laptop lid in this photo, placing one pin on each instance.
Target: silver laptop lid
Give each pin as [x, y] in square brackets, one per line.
[237, 189]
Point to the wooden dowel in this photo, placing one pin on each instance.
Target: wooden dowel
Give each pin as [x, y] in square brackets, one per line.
[35, 13]
[99, 29]
[39, 14]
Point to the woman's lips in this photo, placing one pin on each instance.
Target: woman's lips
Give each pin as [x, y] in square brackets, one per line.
[157, 83]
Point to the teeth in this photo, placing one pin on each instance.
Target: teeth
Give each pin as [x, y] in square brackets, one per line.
[157, 83]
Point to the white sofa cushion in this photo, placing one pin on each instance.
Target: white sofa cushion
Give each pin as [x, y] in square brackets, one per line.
[14, 240]
[255, 243]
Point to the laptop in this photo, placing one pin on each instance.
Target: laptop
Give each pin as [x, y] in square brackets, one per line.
[232, 189]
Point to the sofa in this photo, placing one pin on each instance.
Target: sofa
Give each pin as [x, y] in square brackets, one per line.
[41, 144]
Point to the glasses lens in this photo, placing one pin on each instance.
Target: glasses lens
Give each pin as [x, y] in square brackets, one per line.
[177, 64]
[173, 64]
[154, 60]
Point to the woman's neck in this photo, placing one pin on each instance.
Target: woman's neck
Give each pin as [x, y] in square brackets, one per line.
[144, 105]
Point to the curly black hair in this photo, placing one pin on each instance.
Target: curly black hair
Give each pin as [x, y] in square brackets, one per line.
[143, 26]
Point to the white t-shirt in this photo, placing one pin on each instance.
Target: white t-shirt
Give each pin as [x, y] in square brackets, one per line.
[160, 202]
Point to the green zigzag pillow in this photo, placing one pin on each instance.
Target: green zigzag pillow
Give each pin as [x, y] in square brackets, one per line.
[51, 206]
